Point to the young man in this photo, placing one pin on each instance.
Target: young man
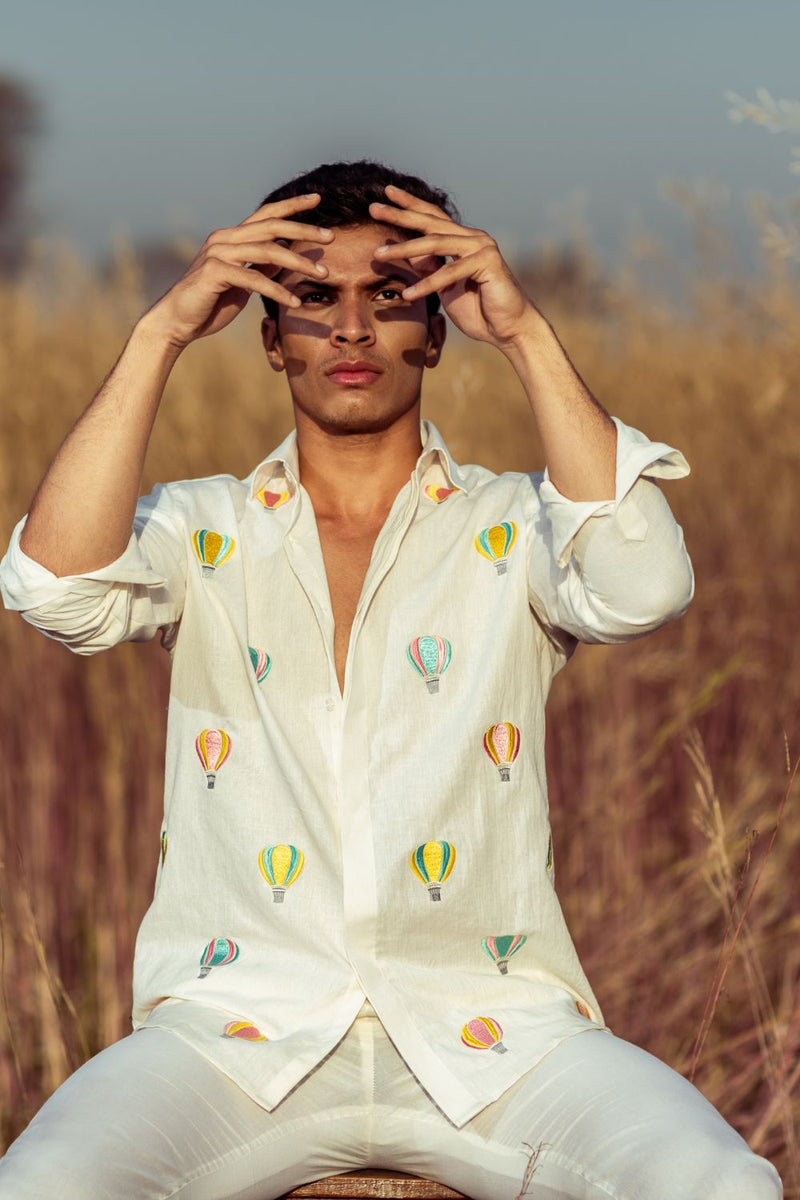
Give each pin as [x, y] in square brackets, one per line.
[356, 850]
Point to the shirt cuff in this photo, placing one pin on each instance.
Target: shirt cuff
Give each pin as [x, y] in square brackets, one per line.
[26, 584]
[636, 456]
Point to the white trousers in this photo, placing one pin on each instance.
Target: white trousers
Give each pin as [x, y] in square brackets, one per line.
[150, 1118]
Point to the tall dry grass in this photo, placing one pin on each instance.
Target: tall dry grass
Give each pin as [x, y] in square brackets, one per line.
[668, 757]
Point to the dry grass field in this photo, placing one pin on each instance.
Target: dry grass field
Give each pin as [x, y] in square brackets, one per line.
[677, 833]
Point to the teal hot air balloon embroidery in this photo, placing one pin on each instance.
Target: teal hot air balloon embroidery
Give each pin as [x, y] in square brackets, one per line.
[495, 543]
[261, 662]
[432, 863]
[430, 657]
[212, 549]
[218, 953]
[500, 949]
[164, 846]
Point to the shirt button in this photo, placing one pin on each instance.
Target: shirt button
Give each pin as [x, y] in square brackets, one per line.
[330, 703]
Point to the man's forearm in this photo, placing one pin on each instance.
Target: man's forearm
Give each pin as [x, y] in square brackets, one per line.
[578, 436]
[82, 513]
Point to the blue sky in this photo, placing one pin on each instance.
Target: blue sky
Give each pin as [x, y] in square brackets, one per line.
[176, 116]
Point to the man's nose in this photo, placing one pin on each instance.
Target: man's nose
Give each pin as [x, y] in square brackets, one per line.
[352, 324]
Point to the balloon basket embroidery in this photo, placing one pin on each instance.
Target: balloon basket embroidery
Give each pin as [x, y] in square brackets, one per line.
[501, 566]
[503, 966]
[208, 570]
[432, 684]
[277, 895]
[505, 774]
[212, 779]
[435, 891]
[499, 1048]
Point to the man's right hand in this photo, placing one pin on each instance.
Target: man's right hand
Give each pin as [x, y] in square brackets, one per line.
[232, 264]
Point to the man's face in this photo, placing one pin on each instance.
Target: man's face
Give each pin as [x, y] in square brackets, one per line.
[355, 350]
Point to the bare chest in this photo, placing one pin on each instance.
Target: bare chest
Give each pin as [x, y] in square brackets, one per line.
[347, 556]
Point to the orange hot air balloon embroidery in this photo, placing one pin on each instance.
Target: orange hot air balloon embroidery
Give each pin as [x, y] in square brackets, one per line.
[272, 499]
[243, 1030]
[438, 494]
[483, 1033]
[501, 743]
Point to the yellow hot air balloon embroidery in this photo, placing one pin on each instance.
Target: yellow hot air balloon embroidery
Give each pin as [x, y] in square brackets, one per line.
[438, 494]
[495, 543]
[212, 549]
[432, 863]
[280, 866]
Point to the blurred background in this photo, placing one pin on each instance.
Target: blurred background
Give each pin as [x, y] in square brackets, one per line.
[639, 165]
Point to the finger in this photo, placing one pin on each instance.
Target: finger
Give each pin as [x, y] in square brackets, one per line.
[284, 208]
[390, 214]
[408, 199]
[252, 280]
[290, 231]
[464, 268]
[272, 253]
[455, 246]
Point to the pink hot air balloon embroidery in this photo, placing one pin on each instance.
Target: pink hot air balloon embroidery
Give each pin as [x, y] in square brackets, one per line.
[501, 743]
[483, 1033]
[213, 747]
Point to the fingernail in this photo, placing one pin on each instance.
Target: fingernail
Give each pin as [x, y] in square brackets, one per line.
[318, 267]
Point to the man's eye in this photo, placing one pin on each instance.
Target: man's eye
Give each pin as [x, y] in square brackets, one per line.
[390, 293]
[313, 297]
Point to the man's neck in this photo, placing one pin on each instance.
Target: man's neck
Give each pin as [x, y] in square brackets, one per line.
[354, 478]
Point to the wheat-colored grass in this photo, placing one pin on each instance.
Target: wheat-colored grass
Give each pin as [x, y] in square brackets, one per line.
[669, 758]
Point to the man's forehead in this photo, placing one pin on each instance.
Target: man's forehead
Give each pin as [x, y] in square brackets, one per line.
[351, 255]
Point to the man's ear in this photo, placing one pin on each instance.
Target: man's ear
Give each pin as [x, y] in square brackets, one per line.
[437, 332]
[272, 343]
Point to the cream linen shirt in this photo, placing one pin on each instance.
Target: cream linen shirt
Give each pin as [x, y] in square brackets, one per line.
[390, 844]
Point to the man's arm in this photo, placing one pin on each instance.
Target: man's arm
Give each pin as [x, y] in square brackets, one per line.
[484, 300]
[81, 516]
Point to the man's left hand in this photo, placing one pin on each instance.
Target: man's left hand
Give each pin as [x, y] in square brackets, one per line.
[477, 288]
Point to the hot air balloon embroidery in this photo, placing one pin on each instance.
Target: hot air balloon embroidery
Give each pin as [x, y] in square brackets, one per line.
[548, 866]
[501, 743]
[430, 656]
[218, 953]
[432, 862]
[213, 748]
[500, 949]
[271, 499]
[438, 494]
[583, 1010]
[280, 866]
[495, 543]
[164, 845]
[483, 1033]
[261, 662]
[212, 549]
[243, 1030]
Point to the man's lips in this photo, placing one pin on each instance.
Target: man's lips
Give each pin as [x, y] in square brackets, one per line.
[353, 374]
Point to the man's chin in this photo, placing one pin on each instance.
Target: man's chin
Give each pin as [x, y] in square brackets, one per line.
[357, 418]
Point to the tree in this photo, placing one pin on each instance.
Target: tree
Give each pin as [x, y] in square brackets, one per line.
[20, 122]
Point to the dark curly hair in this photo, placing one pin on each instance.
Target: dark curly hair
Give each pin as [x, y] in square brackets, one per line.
[347, 189]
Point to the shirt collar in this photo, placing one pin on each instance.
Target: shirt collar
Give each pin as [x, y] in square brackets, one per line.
[276, 479]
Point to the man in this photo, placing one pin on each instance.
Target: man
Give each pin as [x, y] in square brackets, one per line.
[355, 955]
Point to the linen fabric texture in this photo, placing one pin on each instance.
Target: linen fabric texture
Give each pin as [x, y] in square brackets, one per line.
[391, 842]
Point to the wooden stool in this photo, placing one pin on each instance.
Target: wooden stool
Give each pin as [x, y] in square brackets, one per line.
[386, 1185]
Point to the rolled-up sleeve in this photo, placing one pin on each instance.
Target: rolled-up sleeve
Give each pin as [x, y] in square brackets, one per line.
[611, 570]
[133, 598]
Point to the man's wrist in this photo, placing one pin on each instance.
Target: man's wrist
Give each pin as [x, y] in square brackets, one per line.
[150, 334]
